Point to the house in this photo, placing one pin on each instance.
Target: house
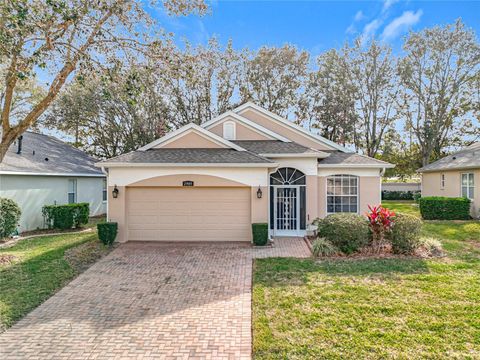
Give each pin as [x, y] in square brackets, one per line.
[41, 170]
[249, 165]
[455, 175]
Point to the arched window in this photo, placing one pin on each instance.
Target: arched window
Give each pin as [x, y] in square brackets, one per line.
[342, 193]
[229, 130]
[287, 176]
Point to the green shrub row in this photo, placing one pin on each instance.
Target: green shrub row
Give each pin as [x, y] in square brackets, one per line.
[66, 216]
[444, 208]
[9, 216]
[399, 195]
[260, 233]
[107, 232]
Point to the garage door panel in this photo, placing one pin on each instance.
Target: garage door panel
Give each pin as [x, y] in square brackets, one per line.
[189, 214]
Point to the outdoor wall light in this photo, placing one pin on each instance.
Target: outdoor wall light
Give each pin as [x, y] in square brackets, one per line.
[115, 192]
[259, 193]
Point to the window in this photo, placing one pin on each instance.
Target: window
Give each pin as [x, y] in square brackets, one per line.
[442, 181]
[468, 185]
[104, 192]
[342, 193]
[72, 191]
[229, 130]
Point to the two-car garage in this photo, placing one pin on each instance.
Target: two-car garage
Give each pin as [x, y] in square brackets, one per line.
[188, 213]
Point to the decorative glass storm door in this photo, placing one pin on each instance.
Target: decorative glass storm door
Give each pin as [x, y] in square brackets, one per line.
[287, 202]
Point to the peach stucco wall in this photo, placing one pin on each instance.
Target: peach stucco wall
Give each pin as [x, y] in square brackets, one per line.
[431, 186]
[241, 132]
[177, 180]
[283, 130]
[191, 141]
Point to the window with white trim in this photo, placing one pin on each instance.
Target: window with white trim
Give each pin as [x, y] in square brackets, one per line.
[342, 194]
[72, 191]
[229, 130]
[104, 191]
[468, 185]
[442, 181]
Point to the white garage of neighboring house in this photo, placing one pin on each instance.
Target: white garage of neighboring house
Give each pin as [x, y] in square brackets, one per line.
[211, 182]
[41, 170]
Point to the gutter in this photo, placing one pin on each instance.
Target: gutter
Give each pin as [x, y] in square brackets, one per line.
[180, 165]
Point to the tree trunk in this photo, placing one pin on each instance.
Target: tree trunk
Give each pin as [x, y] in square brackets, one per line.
[8, 137]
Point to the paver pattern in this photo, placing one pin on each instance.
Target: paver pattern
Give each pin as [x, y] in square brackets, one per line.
[150, 301]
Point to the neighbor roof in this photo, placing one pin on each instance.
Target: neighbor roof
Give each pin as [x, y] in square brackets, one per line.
[188, 155]
[45, 155]
[464, 159]
[338, 158]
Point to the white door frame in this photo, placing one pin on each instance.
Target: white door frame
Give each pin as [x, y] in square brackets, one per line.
[281, 232]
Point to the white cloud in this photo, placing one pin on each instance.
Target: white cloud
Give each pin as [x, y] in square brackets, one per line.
[359, 16]
[387, 4]
[370, 29]
[401, 23]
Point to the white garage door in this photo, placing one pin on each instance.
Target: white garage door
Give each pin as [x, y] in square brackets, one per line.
[188, 214]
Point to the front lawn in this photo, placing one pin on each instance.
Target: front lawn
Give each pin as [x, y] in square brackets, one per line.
[402, 206]
[377, 308]
[34, 269]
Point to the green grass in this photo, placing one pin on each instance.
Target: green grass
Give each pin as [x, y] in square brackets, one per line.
[38, 270]
[402, 206]
[373, 309]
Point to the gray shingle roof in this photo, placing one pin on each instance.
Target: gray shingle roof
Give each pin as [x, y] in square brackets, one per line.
[190, 156]
[464, 159]
[342, 158]
[272, 147]
[62, 158]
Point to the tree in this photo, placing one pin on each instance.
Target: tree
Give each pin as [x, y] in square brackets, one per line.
[438, 86]
[65, 37]
[272, 77]
[373, 73]
[328, 102]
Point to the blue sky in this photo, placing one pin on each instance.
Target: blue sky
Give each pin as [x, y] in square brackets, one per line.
[317, 26]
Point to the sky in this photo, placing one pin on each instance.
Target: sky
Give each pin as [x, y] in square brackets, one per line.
[318, 25]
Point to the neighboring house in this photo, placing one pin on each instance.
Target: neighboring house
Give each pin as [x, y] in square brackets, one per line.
[211, 182]
[41, 170]
[455, 175]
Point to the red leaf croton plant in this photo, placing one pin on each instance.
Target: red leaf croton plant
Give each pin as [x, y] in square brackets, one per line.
[381, 221]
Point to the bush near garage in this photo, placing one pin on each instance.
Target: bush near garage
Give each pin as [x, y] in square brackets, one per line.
[399, 195]
[346, 231]
[444, 208]
[107, 232]
[260, 234]
[9, 216]
[66, 216]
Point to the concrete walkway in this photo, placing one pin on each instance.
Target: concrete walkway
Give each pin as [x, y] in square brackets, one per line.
[150, 300]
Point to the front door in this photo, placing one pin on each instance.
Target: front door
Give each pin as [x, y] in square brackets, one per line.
[286, 210]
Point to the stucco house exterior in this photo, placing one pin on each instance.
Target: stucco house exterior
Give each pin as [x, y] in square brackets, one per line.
[455, 175]
[41, 170]
[211, 182]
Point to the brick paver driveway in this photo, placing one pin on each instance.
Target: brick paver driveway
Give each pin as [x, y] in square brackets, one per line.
[148, 300]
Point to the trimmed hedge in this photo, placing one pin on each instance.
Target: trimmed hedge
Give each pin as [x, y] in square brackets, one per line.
[66, 216]
[399, 195]
[260, 234]
[348, 232]
[9, 216]
[107, 232]
[444, 208]
[405, 234]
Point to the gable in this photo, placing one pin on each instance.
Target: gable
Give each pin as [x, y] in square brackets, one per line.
[190, 140]
[283, 130]
[242, 132]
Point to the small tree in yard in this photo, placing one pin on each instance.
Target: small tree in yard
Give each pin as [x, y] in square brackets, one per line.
[381, 222]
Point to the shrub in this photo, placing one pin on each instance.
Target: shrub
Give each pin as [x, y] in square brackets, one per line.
[428, 246]
[9, 216]
[107, 232]
[380, 221]
[417, 196]
[66, 216]
[399, 195]
[405, 233]
[323, 247]
[444, 208]
[260, 234]
[348, 232]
